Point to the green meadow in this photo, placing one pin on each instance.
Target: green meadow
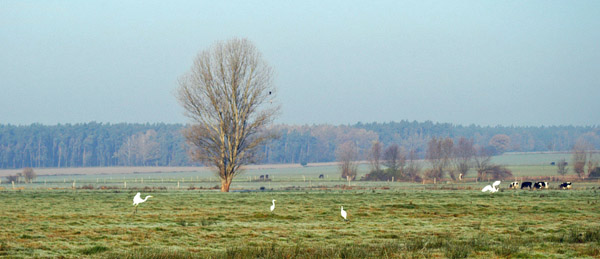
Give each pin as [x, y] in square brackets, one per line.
[386, 220]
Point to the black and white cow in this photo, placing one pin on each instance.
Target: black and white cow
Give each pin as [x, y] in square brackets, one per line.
[526, 185]
[565, 185]
[541, 185]
[514, 185]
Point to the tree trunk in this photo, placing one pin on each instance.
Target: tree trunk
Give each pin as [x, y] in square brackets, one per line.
[225, 184]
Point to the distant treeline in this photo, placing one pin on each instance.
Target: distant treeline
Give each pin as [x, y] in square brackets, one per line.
[98, 144]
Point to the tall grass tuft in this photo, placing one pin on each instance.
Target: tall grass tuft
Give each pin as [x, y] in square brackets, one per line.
[456, 249]
[4, 248]
[94, 250]
[578, 235]
[153, 253]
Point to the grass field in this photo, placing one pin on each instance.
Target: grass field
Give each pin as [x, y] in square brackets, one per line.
[387, 220]
[419, 222]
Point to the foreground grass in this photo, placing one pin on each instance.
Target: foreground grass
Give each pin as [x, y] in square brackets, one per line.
[383, 223]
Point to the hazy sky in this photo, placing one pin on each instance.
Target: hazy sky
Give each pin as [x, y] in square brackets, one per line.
[337, 62]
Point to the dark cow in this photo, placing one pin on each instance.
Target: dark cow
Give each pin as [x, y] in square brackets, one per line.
[565, 185]
[526, 185]
[262, 177]
[541, 185]
[514, 185]
[321, 176]
[266, 176]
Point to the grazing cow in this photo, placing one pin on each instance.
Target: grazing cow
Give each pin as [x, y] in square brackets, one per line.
[526, 185]
[514, 185]
[266, 176]
[262, 177]
[541, 185]
[321, 176]
[565, 185]
[552, 163]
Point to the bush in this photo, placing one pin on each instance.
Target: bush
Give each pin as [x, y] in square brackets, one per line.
[12, 178]
[377, 175]
[595, 173]
[87, 187]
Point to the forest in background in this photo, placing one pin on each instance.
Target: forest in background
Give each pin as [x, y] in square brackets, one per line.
[126, 144]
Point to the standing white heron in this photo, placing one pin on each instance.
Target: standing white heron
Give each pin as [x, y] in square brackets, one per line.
[138, 199]
[273, 206]
[344, 214]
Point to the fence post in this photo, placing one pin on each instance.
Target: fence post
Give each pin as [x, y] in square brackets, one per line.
[125, 185]
[177, 184]
[13, 184]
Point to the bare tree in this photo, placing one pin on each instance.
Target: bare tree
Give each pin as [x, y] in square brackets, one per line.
[463, 155]
[592, 162]
[395, 160]
[561, 167]
[579, 158]
[413, 168]
[228, 93]
[148, 148]
[439, 153]
[485, 167]
[375, 156]
[346, 155]
[482, 162]
[29, 174]
[139, 149]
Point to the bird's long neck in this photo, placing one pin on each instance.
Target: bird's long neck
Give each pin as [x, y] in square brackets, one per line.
[146, 197]
[273, 203]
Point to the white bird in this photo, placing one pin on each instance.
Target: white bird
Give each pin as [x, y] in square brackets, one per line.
[496, 184]
[489, 188]
[138, 199]
[344, 214]
[273, 206]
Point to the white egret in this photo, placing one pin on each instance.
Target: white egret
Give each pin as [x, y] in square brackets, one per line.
[489, 188]
[138, 199]
[273, 206]
[344, 214]
[496, 184]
